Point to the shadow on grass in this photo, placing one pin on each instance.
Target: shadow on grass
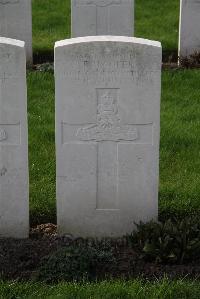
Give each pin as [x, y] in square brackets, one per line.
[44, 56]
[170, 56]
[36, 217]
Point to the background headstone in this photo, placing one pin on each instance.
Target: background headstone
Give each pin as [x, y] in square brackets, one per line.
[14, 205]
[16, 22]
[107, 134]
[189, 31]
[102, 17]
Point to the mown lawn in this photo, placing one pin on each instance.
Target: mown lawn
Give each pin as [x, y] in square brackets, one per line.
[179, 153]
[106, 290]
[180, 143]
[154, 19]
[41, 146]
[179, 192]
[51, 22]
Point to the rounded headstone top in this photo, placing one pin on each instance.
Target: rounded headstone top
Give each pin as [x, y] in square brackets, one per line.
[107, 38]
[12, 42]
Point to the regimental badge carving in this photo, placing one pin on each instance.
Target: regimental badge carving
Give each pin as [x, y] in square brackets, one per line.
[9, 1]
[108, 127]
[97, 2]
[3, 135]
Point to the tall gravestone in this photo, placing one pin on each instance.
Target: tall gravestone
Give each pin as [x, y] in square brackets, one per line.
[189, 31]
[16, 22]
[14, 207]
[107, 134]
[102, 17]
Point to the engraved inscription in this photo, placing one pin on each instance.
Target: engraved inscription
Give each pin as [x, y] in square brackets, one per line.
[10, 134]
[8, 1]
[196, 2]
[108, 127]
[4, 54]
[3, 171]
[193, 4]
[112, 68]
[98, 2]
[6, 70]
[3, 135]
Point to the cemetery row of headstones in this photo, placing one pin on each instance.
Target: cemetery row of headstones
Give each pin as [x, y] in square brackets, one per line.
[107, 135]
[107, 126]
[98, 17]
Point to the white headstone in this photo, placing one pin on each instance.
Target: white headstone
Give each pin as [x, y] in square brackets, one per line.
[16, 22]
[102, 17]
[189, 32]
[107, 134]
[14, 206]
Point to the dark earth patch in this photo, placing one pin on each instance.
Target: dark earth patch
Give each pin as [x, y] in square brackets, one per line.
[22, 259]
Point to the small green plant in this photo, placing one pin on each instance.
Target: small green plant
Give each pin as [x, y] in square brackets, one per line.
[80, 261]
[168, 242]
[45, 67]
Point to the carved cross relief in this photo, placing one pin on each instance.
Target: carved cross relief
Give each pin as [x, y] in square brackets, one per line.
[108, 133]
[103, 7]
[3, 7]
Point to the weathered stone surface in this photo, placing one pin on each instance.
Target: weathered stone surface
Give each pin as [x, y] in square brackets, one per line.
[107, 133]
[102, 17]
[14, 207]
[189, 31]
[16, 22]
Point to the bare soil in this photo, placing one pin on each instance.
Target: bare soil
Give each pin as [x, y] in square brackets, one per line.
[20, 259]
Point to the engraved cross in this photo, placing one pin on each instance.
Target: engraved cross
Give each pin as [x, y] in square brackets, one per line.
[103, 7]
[3, 8]
[108, 133]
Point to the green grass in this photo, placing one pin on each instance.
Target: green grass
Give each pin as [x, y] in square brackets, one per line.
[106, 290]
[180, 141]
[41, 146]
[155, 19]
[158, 20]
[179, 153]
[51, 22]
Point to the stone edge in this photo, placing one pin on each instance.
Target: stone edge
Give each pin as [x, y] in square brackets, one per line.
[12, 42]
[106, 38]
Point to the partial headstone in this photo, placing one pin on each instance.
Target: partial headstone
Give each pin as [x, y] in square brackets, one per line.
[107, 134]
[189, 31]
[14, 206]
[102, 17]
[16, 22]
